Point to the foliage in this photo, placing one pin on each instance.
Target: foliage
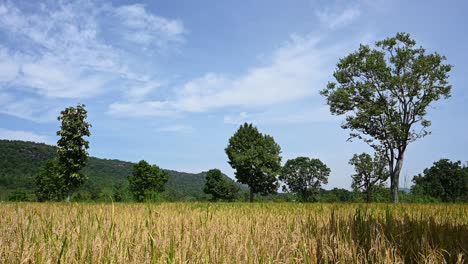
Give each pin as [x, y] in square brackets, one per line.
[218, 187]
[385, 93]
[445, 180]
[20, 162]
[304, 176]
[338, 195]
[371, 174]
[256, 159]
[50, 184]
[146, 180]
[72, 152]
[18, 196]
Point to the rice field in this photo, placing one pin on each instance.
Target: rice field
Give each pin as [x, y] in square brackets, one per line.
[232, 233]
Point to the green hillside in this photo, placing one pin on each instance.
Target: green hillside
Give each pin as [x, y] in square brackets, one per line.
[20, 162]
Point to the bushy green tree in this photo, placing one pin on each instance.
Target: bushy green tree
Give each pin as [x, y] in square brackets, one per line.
[218, 187]
[50, 184]
[304, 176]
[18, 196]
[146, 180]
[256, 159]
[384, 92]
[370, 175]
[445, 180]
[72, 147]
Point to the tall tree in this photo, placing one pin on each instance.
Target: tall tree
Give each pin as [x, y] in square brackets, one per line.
[304, 176]
[72, 147]
[256, 159]
[218, 187]
[146, 180]
[371, 174]
[385, 92]
[445, 180]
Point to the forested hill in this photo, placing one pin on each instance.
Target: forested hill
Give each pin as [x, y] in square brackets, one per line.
[20, 162]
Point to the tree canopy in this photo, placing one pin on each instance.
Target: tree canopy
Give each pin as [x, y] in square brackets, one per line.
[384, 92]
[146, 180]
[304, 176]
[256, 159]
[218, 187]
[445, 180]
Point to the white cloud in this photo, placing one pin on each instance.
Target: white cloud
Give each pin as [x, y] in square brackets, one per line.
[296, 70]
[63, 53]
[23, 135]
[139, 90]
[145, 28]
[35, 109]
[338, 17]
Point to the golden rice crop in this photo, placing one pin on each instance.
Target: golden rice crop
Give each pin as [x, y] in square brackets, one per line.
[232, 233]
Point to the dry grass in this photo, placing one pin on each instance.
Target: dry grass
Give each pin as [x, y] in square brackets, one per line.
[232, 233]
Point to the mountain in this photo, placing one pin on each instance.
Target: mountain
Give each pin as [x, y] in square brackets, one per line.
[20, 162]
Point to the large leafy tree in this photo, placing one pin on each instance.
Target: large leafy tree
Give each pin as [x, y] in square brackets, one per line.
[146, 180]
[304, 176]
[256, 159]
[385, 92]
[72, 147]
[218, 187]
[371, 173]
[445, 180]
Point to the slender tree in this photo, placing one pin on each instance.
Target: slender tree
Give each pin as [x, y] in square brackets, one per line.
[370, 175]
[72, 147]
[385, 92]
[256, 159]
[218, 187]
[304, 176]
[146, 180]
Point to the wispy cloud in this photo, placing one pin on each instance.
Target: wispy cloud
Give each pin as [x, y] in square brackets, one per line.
[142, 27]
[23, 135]
[297, 69]
[61, 51]
[338, 16]
[29, 108]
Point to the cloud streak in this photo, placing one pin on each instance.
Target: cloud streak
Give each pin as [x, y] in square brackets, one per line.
[65, 56]
[142, 27]
[296, 70]
[23, 135]
[338, 17]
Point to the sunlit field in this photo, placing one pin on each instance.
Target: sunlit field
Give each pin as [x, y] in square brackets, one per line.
[232, 233]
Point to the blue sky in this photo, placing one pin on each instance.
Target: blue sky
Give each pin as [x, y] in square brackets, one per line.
[170, 81]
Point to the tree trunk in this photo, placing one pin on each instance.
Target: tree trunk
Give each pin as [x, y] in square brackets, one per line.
[395, 178]
[251, 195]
[368, 196]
